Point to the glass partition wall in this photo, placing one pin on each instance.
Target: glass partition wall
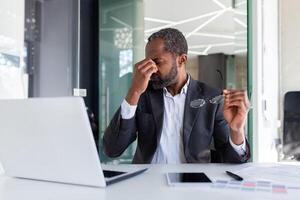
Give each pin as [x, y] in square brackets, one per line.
[216, 31]
[121, 45]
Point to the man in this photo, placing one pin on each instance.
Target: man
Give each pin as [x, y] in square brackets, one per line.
[159, 113]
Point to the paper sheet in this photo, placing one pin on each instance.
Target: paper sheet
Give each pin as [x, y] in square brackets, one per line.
[278, 173]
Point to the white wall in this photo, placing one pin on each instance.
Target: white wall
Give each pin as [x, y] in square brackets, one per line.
[290, 45]
[265, 80]
[1, 169]
[290, 49]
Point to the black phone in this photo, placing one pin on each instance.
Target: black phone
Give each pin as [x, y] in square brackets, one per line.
[187, 177]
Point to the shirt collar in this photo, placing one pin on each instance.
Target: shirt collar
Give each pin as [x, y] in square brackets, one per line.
[185, 87]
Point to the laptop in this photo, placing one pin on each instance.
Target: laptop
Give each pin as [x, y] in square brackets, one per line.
[51, 139]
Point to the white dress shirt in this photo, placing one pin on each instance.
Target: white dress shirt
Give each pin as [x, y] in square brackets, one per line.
[170, 149]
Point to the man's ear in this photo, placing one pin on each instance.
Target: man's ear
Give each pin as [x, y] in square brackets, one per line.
[182, 59]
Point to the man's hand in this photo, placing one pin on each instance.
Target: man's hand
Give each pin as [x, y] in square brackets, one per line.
[236, 107]
[141, 76]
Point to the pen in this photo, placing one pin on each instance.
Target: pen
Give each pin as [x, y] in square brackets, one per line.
[235, 176]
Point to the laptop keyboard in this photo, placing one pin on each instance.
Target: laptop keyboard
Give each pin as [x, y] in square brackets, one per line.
[109, 174]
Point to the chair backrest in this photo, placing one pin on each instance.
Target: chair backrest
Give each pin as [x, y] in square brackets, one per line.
[291, 127]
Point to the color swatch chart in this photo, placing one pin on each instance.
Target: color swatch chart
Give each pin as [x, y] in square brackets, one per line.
[254, 186]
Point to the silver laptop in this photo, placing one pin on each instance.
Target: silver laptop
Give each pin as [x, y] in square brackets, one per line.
[51, 139]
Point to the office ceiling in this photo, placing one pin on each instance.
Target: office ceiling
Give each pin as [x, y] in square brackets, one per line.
[210, 26]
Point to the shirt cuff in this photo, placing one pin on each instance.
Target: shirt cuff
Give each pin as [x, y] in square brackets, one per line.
[127, 110]
[240, 149]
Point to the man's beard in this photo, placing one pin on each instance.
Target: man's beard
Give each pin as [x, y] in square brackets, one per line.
[169, 79]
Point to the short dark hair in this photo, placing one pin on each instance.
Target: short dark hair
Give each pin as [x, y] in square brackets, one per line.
[175, 41]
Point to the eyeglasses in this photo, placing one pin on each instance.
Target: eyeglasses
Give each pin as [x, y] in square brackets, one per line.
[215, 100]
[201, 102]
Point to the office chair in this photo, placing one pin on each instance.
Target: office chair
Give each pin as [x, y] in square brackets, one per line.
[291, 127]
[215, 157]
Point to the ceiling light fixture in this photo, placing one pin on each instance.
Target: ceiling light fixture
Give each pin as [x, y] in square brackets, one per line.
[121, 22]
[196, 53]
[207, 49]
[240, 22]
[240, 51]
[214, 35]
[240, 4]
[240, 32]
[183, 21]
[150, 19]
[206, 23]
[240, 45]
[212, 45]
[219, 4]
[240, 13]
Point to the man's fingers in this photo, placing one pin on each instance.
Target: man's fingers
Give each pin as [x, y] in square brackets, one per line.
[236, 103]
[232, 91]
[238, 95]
[144, 62]
[150, 71]
[146, 67]
[235, 95]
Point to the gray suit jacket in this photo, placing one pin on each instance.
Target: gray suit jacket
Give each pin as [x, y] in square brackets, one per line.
[205, 132]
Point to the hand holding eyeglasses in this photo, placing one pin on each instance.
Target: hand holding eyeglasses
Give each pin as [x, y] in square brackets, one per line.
[236, 107]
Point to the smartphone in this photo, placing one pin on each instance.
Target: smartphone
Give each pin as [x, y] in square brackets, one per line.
[187, 178]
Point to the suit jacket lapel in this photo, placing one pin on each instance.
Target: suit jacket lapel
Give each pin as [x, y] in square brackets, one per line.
[157, 104]
[190, 114]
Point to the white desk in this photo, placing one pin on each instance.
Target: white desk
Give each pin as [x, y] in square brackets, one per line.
[150, 185]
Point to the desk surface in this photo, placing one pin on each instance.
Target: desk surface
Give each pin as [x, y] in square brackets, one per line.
[150, 185]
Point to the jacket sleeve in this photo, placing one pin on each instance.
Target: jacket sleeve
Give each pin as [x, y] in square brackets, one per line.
[119, 134]
[224, 150]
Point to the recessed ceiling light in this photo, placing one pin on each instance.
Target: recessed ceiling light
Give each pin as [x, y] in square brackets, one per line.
[240, 22]
[205, 23]
[183, 21]
[150, 19]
